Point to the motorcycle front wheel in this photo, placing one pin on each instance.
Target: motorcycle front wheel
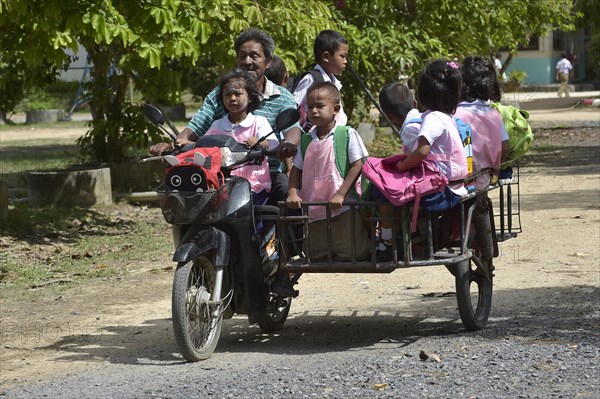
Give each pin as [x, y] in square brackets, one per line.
[276, 313]
[197, 329]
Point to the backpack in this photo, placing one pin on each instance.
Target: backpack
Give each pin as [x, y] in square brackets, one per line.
[466, 137]
[292, 85]
[196, 170]
[402, 187]
[341, 139]
[519, 131]
[293, 81]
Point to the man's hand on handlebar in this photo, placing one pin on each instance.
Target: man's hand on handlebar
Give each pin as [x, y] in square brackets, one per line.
[288, 147]
[285, 149]
[160, 149]
[186, 136]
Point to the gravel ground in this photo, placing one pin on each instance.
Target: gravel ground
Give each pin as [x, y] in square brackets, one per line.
[389, 339]
[545, 352]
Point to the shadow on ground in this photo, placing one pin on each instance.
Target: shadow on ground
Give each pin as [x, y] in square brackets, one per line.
[565, 314]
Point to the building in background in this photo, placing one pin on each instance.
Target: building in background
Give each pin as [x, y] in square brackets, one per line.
[538, 59]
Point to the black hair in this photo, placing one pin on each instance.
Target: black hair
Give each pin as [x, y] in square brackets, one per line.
[563, 55]
[327, 41]
[498, 55]
[276, 72]
[479, 80]
[254, 96]
[395, 98]
[327, 86]
[439, 86]
[259, 36]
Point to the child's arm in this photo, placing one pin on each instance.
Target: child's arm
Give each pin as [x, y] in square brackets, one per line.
[415, 157]
[338, 198]
[293, 199]
[505, 148]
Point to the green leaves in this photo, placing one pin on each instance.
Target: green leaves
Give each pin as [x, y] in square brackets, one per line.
[386, 37]
[150, 53]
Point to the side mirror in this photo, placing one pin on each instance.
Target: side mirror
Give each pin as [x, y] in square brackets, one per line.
[286, 118]
[153, 114]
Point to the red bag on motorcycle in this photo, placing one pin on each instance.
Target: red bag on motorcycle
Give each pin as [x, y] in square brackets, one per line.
[196, 170]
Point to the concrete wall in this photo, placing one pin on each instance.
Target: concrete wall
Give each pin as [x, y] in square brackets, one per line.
[540, 64]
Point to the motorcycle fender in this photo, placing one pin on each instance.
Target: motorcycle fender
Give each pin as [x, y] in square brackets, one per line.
[201, 239]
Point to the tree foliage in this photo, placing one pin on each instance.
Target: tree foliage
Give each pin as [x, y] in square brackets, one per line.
[153, 43]
[589, 11]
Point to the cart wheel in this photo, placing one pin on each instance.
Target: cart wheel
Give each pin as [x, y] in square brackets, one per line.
[474, 278]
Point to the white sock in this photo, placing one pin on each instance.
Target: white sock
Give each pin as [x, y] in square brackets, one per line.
[386, 234]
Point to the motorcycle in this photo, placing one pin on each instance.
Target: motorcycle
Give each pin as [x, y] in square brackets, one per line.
[226, 247]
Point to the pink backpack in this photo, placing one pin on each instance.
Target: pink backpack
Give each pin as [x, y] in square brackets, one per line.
[403, 187]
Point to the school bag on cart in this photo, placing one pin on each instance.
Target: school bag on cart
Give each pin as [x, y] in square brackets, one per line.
[402, 187]
[519, 131]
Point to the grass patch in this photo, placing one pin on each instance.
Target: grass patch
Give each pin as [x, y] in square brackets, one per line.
[385, 144]
[24, 159]
[52, 244]
[50, 125]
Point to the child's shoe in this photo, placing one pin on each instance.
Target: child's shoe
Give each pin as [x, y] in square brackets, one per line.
[384, 251]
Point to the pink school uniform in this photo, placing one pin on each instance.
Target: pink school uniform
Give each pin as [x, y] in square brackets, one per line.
[488, 134]
[320, 176]
[321, 179]
[252, 126]
[446, 148]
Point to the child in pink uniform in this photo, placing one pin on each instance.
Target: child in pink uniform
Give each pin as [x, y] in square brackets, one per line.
[317, 174]
[239, 96]
[438, 139]
[490, 139]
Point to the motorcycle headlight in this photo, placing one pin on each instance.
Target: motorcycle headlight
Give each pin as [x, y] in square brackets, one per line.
[229, 158]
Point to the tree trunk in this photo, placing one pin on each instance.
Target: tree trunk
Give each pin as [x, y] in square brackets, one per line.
[85, 187]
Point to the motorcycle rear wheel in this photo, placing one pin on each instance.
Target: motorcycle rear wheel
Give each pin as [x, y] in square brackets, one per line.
[196, 329]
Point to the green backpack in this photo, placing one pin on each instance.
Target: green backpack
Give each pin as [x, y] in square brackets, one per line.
[341, 139]
[518, 129]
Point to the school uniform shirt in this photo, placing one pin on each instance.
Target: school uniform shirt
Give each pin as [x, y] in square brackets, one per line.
[488, 134]
[321, 178]
[440, 131]
[253, 126]
[410, 131]
[300, 95]
[564, 66]
[274, 99]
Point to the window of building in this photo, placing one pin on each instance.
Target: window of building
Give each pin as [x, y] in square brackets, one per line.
[558, 41]
[534, 44]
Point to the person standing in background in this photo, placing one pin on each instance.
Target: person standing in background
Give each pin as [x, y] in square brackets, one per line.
[563, 72]
[498, 66]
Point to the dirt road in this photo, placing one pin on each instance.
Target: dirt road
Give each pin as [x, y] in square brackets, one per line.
[115, 334]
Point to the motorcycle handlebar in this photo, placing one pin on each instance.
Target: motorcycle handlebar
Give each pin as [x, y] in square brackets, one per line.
[256, 154]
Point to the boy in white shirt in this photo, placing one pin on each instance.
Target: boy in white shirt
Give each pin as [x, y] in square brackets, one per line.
[331, 52]
[563, 71]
